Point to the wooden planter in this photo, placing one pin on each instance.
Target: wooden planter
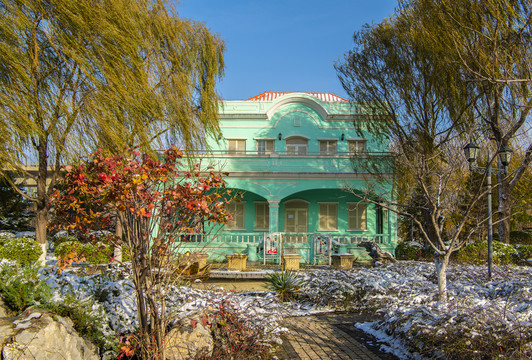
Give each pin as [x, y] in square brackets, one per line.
[342, 261]
[236, 262]
[291, 262]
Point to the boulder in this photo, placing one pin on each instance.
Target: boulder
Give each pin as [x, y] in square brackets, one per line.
[189, 338]
[38, 336]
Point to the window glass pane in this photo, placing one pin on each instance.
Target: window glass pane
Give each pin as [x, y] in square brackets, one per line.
[265, 146]
[236, 146]
[262, 216]
[328, 219]
[237, 210]
[327, 147]
[357, 146]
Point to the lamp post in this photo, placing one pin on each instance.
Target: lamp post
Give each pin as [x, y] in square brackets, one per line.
[471, 151]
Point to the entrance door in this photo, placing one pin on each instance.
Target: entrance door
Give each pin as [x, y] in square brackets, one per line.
[296, 221]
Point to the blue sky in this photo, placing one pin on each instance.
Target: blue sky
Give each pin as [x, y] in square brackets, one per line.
[284, 45]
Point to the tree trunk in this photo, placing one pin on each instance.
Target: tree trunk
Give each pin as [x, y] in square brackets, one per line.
[40, 231]
[117, 251]
[43, 203]
[441, 274]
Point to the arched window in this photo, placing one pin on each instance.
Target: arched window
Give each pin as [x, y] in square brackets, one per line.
[297, 146]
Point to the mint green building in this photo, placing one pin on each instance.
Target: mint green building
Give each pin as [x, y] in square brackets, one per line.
[292, 156]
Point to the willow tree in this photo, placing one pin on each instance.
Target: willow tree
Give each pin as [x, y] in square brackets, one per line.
[423, 109]
[81, 74]
[490, 43]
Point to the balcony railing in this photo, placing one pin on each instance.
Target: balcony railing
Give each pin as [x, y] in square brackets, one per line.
[367, 162]
[290, 238]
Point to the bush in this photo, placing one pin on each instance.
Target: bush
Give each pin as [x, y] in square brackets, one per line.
[23, 250]
[23, 286]
[285, 283]
[98, 253]
[234, 339]
[410, 250]
[89, 321]
[523, 253]
[5, 236]
[477, 254]
[521, 237]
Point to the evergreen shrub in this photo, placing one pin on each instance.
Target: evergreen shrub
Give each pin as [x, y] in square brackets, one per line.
[523, 253]
[410, 250]
[477, 254]
[23, 286]
[23, 250]
[521, 237]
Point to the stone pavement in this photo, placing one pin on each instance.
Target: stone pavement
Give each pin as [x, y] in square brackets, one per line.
[329, 336]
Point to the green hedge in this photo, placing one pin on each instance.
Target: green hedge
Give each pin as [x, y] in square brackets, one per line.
[23, 250]
[99, 253]
[503, 254]
[410, 250]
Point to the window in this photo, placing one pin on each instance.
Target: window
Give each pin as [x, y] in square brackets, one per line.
[328, 216]
[296, 146]
[265, 147]
[357, 216]
[235, 146]
[237, 210]
[262, 216]
[357, 146]
[327, 147]
[296, 221]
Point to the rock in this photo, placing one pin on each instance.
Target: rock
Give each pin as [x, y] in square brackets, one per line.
[376, 253]
[188, 339]
[40, 337]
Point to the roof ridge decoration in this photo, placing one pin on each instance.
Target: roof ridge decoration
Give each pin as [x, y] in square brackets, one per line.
[322, 96]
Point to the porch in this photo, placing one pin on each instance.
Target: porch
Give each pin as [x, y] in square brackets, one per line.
[263, 247]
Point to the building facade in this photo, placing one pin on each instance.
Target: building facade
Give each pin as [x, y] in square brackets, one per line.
[292, 156]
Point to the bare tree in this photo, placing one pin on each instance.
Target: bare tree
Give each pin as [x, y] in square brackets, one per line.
[490, 44]
[423, 108]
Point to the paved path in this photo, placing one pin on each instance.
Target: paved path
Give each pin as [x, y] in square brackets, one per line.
[329, 336]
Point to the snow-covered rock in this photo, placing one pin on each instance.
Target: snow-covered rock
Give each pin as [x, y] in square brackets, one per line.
[189, 338]
[40, 337]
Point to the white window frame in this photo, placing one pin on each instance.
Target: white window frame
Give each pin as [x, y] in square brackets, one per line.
[234, 208]
[359, 212]
[265, 150]
[299, 148]
[331, 146]
[266, 216]
[358, 143]
[328, 206]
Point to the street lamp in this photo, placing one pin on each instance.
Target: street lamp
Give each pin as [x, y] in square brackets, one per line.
[471, 151]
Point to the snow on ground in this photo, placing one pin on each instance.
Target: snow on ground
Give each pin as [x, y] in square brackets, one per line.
[490, 316]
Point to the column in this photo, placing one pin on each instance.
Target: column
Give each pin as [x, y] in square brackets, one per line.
[273, 206]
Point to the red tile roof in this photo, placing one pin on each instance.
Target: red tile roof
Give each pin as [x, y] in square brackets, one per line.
[271, 96]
